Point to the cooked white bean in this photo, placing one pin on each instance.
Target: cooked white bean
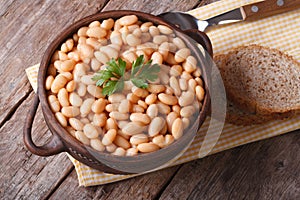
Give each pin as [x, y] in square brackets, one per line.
[109, 137]
[192, 85]
[86, 106]
[142, 104]
[99, 105]
[59, 82]
[164, 77]
[54, 103]
[138, 139]
[70, 111]
[119, 151]
[87, 80]
[182, 54]
[176, 108]
[170, 120]
[156, 126]
[90, 131]
[175, 85]
[97, 144]
[49, 81]
[112, 107]
[164, 29]
[118, 116]
[163, 108]
[101, 57]
[131, 151]
[157, 58]
[167, 99]
[145, 26]
[186, 98]
[111, 124]
[164, 50]
[124, 106]
[110, 52]
[128, 20]
[179, 43]
[133, 40]
[150, 99]
[82, 31]
[63, 97]
[75, 99]
[156, 88]
[176, 70]
[183, 84]
[86, 50]
[159, 140]
[185, 75]
[187, 111]
[139, 92]
[61, 119]
[82, 138]
[111, 148]
[107, 24]
[99, 119]
[147, 147]
[96, 32]
[94, 24]
[71, 85]
[116, 98]
[133, 128]
[186, 122]
[153, 30]
[169, 139]
[76, 124]
[95, 91]
[200, 92]
[159, 39]
[115, 38]
[140, 117]
[177, 128]
[122, 142]
[190, 65]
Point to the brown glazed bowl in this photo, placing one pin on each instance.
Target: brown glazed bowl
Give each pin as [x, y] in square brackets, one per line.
[62, 141]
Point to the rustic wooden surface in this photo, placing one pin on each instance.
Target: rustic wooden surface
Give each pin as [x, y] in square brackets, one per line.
[268, 169]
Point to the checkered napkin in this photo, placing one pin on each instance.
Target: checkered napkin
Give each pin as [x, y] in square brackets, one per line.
[280, 31]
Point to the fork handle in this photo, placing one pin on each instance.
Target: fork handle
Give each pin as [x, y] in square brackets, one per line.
[268, 8]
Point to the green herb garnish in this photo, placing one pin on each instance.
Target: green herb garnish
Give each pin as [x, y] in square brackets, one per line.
[112, 78]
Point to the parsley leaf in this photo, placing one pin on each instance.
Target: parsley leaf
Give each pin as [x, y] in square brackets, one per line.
[112, 78]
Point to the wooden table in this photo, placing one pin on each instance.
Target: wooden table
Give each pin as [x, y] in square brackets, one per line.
[268, 169]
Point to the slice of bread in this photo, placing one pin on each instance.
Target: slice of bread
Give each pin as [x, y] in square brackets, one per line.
[262, 84]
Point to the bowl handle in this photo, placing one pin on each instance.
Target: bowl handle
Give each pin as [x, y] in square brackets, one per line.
[201, 38]
[54, 146]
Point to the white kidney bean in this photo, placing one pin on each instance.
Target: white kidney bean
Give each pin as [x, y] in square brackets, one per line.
[128, 20]
[85, 120]
[187, 111]
[185, 75]
[61, 119]
[183, 84]
[101, 57]
[99, 119]
[200, 92]
[153, 30]
[99, 106]
[138, 139]
[70, 130]
[49, 81]
[142, 104]
[145, 26]
[110, 52]
[167, 99]
[163, 108]
[116, 98]
[112, 107]
[76, 124]
[82, 31]
[164, 29]
[139, 92]
[171, 59]
[159, 140]
[107, 24]
[190, 65]
[132, 98]
[137, 32]
[133, 128]
[164, 77]
[111, 148]
[169, 139]
[124, 106]
[82, 138]
[182, 54]
[156, 126]
[59, 82]
[115, 38]
[133, 40]
[122, 142]
[71, 85]
[157, 58]
[75, 99]
[79, 71]
[74, 55]
[119, 151]
[54, 103]
[87, 80]
[90, 131]
[179, 43]
[176, 70]
[164, 50]
[111, 124]
[150, 99]
[96, 32]
[140, 117]
[131, 151]
[109, 137]
[86, 106]
[186, 122]
[70, 111]
[95, 91]
[118, 116]
[177, 128]
[170, 120]
[62, 55]
[159, 39]
[94, 24]
[63, 97]
[97, 145]
[156, 88]
[68, 75]
[186, 98]
[176, 108]
[147, 147]
[175, 85]
[192, 85]
[86, 50]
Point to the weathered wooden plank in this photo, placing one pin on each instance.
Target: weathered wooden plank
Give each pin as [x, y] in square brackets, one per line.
[268, 169]
[25, 32]
[27, 176]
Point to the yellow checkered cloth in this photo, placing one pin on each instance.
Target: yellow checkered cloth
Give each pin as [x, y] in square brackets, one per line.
[280, 31]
